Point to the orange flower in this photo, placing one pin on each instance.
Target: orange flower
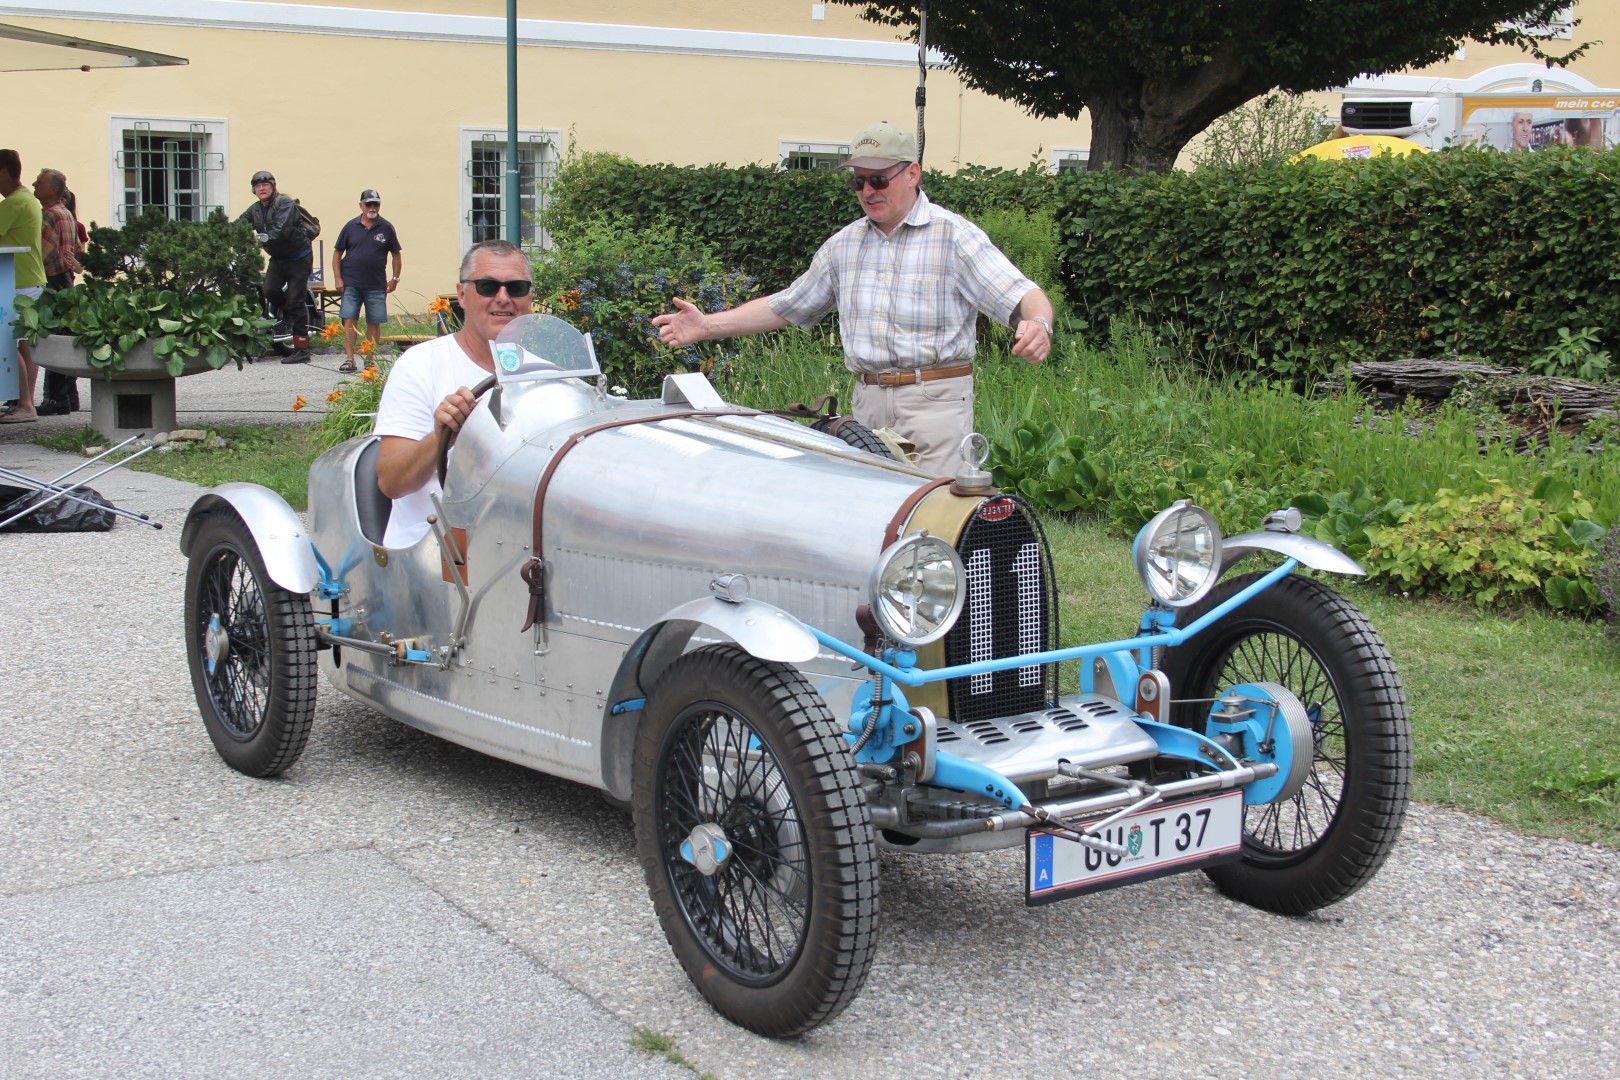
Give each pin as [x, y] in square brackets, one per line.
[333, 396]
[367, 347]
[299, 402]
[331, 330]
[368, 374]
[439, 306]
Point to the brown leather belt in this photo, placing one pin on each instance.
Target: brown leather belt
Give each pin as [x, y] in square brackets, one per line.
[920, 375]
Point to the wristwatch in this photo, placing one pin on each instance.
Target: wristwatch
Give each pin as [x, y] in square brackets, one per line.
[1044, 325]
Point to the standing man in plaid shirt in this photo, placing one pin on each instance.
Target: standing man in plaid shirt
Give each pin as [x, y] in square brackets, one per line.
[909, 280]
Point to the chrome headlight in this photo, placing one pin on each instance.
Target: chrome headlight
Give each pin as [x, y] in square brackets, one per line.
[918, 588]
[1178, 554]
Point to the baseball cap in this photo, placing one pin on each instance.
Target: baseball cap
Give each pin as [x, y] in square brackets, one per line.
[880, 146]
[370, 195]
[262, 177]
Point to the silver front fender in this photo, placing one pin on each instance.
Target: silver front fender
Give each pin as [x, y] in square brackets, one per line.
[765, 630]
[1307, 549]
[282, 540]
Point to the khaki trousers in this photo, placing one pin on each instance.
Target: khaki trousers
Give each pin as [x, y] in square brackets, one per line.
[935, 415]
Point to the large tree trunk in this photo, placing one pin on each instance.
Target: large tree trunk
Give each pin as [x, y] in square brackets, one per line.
[1142, 124]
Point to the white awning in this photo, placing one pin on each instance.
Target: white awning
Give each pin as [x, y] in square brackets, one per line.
[22, 49]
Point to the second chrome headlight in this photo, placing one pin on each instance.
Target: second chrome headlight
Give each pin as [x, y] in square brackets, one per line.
[1178, 554]
[918, 589]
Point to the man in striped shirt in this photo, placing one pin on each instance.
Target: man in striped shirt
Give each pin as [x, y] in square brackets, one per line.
[909, 280]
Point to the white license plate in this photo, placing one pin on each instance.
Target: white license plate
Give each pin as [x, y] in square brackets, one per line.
[1159, 841]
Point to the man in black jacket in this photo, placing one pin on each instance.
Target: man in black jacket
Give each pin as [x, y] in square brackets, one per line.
[280, 230]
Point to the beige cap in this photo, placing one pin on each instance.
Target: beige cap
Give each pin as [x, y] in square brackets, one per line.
[881, 146]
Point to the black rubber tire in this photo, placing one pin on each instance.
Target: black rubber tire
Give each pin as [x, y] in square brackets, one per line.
[856, 434]
[781, 936]
[258, 702]
[1330, 839]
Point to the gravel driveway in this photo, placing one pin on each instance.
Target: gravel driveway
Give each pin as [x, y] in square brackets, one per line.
[396, 905]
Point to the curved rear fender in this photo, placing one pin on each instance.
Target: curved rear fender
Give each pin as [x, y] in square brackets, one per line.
[765, 631]
[282, 540]
[1307, 549]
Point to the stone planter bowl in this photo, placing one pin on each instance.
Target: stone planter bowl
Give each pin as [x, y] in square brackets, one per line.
[137, 399]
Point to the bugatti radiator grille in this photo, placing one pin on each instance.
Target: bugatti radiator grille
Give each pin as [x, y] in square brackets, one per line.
[1010, 611]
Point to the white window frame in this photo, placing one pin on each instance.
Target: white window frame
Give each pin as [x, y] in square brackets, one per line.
[1067, 158]
[827, 155]
[215, 134]
[547, 138]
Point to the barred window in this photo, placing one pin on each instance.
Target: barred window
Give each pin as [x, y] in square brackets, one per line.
[484, 185]
[175, 165]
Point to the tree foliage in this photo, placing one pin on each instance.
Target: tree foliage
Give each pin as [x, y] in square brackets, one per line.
[1154, 73]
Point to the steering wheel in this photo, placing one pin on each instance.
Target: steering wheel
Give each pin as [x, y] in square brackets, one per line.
[447, 438]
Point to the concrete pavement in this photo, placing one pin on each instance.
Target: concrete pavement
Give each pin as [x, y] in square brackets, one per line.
[398, 906]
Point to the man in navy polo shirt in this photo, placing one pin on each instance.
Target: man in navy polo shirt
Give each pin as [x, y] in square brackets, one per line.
[357, 269]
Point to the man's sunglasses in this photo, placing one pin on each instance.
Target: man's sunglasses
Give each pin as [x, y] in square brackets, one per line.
[878, 182]
[488, 286]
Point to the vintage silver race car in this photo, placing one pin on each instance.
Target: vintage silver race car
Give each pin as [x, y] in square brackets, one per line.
[783, 651]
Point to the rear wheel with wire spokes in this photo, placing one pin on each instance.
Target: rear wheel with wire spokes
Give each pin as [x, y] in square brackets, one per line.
[756, 840]
[1330, 838]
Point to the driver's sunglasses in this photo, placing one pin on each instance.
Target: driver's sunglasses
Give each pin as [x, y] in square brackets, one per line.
[488, 286]
[878, 182]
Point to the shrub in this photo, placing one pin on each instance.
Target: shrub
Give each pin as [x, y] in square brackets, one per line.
[1494, 545]
[1266, 130]
[610, 278]
[151, 251]
[190, 289]
[1285, 269]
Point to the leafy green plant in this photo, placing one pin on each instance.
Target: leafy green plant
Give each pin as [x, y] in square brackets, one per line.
[108, 319]
[351, 405]
[1494, 545]
[189, 289]
[1575, 354]
[609, 279]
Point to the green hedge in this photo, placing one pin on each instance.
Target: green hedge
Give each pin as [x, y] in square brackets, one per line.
[1286, 268]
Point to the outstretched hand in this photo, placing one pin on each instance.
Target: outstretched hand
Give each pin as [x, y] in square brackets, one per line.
[682, 326]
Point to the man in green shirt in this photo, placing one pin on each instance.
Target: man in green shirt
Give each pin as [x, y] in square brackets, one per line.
[20, 218]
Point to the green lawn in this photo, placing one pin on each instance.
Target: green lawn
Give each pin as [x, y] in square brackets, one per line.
[275, 455]
[1515, 716]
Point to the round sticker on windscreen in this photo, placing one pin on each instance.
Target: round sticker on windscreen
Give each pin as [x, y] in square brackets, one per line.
[508, 355]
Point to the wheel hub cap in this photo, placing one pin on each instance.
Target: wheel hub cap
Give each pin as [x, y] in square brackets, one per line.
[706, 848]
[216, 643]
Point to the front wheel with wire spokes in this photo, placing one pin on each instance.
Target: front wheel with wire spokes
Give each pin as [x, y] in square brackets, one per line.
[1330, 838]
[756, 840]
[251, 648]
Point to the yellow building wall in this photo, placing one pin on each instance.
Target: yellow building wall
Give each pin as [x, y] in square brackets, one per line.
[330, 114]
[332, 110]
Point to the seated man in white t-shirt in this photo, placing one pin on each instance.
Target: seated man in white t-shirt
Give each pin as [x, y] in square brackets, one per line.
[428, 388]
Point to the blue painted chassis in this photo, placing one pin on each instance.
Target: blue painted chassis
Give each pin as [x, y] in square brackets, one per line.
[1125, 659]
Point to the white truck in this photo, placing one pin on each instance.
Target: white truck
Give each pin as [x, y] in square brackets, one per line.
[1511, 107]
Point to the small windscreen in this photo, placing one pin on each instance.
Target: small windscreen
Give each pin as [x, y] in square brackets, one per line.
[542, 347]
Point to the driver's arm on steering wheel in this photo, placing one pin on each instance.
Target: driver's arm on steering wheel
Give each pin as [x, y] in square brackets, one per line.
[406, 465]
